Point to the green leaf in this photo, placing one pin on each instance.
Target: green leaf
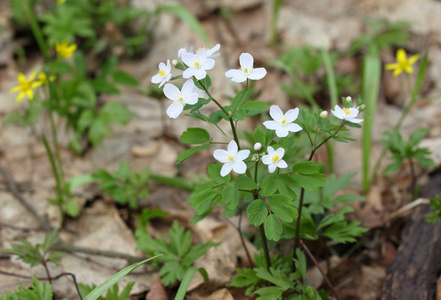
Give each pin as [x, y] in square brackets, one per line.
[269, 185]
[246, 278]
[307, 167]
[124, 78]
[190, 152]
[310, 183]
[257, 212]
[50, 240]
[195, 136]
[259, 136]
[187, 17]
[201, 200]
[276, 277]
[72, 208]
[417, 136]
[245, 183]
[282, 207]
[254, 107]
[273, 228]
[230, 197]
[180, 239]
[98, 291]
[240, 99]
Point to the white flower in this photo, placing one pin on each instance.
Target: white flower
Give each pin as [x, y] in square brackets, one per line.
[282, 123]
[198, 64]
[201, 93]
[164, 74]
[211, 52]
[347, 114]
[179, 97]
[274, 159]
[232, 159]
[184, 50]
[246, 70]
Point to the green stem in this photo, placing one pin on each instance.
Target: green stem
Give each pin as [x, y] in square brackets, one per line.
[302, 192]
[172, 181]
[265, 247]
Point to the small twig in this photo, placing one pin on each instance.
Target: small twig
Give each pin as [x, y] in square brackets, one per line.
[405, 208]
[320, 269]
[65, 247]
[25, 229]
[46, 278]
[14, 190]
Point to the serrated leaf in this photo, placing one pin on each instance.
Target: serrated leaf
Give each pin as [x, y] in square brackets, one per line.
[201, 200]
[282, 207]
[273, 228]
[257, 212]
[195, 136]
[310, 183]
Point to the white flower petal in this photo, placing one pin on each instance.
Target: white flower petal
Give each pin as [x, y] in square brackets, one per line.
[162, 66]
[242, 154]
[226, 169]
[273, 125]
[267, 160]
[239, 167]
[175, 109]
[282, 131]
[233, 73]
[213, 50]
[221, 155]
[156, 79]
[232, 147]
[170, 91]
[192, 98]
[257, 74]
[246, 60]
[275, 112]
[239, 78]
[187, 88]
[270, 150]
[353, 113]
[209, 64]
[168, 68]
[188, 73]
[282, 164]
[200, 74]
[188, 58]
[355, 120]
[271, 168]
[280, 152]
[293, 127]
[292, 115]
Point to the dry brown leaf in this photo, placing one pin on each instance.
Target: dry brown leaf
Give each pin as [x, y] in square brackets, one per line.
[157, 291]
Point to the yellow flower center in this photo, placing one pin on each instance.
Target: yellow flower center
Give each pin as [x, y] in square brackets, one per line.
[197, 64]
[283, 122]
[230, 158]
[276, 158]
[161, 72]
[347, 111]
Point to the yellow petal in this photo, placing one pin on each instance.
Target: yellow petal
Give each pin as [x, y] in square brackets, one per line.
[397, 71]
[20, 97]
[32, 76]
[15, 89]
[401, 56]
[21, 77]
[30, 94]
[408, 69]
[413, 59]
[391, 66]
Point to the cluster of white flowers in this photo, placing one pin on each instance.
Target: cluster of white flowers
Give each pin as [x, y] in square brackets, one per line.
[197, 63]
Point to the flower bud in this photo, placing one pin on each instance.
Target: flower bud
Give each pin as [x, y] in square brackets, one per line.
[174, 62]
[349, 99]
[362, 107]
[257, 146]
[324, 114]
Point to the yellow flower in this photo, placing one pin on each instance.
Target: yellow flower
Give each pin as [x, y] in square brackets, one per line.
[403, 64]
[25, 86]
[65, 50]
[61, 1]
[42, 78]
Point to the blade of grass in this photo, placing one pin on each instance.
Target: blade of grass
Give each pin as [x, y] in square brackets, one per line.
[187, 279]
[277, 4]
[56, 175]
[99, 290]
[332, 86]
[418, 84]
[186, 16]
[370, 88]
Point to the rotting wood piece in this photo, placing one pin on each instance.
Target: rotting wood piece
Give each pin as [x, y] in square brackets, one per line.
[417, 264]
